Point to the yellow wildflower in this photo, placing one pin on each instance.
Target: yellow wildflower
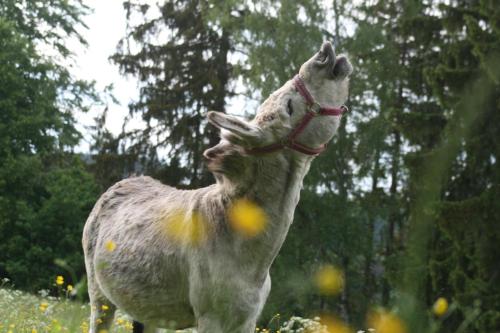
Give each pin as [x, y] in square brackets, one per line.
[85, 327]
[59, 280]
[440, 306]
[329, 280]
[43, 306]
[33, 330]
[120, 321]
[98, 321]
[103, 331]
[110, 246]
[334, 325]
[247, 218]
[104, 307]
[386, 322]
[69, 288]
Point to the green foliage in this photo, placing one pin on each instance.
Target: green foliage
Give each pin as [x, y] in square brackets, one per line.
[464, 244]
[464, 261]
[48, 24]
[181, 79]
[278, 38]
[45, 192]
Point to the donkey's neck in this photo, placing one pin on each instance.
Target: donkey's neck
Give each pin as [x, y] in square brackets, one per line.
[275, 187]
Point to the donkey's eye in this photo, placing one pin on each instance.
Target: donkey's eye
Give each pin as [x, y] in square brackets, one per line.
[289, 107]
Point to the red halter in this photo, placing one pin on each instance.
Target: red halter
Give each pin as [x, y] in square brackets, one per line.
[313, 109]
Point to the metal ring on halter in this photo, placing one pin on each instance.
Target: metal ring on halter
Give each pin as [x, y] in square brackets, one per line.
[345, 108]
[315, 107]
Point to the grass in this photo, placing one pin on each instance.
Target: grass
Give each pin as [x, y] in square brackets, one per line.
[23, 312]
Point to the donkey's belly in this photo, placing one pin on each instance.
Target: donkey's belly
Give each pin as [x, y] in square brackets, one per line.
[150, 287]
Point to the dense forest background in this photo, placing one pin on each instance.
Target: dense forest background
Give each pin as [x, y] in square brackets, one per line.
[404, 201]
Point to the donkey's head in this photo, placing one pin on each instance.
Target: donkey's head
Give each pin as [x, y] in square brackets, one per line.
[324, 77]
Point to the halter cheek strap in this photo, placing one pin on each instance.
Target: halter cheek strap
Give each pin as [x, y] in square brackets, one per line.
[313, 109]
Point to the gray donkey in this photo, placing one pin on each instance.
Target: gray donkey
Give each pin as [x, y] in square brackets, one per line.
[173, 258]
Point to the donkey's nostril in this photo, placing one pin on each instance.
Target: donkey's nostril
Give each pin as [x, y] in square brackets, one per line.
[327, 48]
[326, 57]
[208, 154]
[211, 153]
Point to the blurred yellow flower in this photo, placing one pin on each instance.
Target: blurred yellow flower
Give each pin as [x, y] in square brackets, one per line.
[440, 306]
[186, 228]
[329, 280]
[334, 325]
[103, 331]
[33, 330]
[69, 287]
[85, 327]
[104, 307]
[120, 321]
[59, 280]
[55, 326]
[43, 306]
[247, 218]
[386, 322]
[110, 246]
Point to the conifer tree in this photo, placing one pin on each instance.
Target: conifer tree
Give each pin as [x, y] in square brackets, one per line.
[179, 51]
[464, 255]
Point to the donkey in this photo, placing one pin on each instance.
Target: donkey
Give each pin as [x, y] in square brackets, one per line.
[213, 277]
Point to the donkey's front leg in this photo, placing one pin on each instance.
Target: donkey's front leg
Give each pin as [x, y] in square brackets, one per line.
[236, 313]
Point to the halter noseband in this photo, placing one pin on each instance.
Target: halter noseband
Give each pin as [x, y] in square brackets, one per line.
[313, 109]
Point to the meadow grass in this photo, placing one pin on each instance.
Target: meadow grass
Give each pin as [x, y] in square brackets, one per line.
[23, 312]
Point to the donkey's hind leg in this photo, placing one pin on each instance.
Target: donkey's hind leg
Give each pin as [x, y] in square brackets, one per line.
[102, 311]
[137, 327]
[143, 328]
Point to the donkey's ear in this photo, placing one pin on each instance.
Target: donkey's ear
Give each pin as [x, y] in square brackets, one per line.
[242, 129]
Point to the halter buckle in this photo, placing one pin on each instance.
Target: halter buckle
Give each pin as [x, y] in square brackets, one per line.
[315, 107]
